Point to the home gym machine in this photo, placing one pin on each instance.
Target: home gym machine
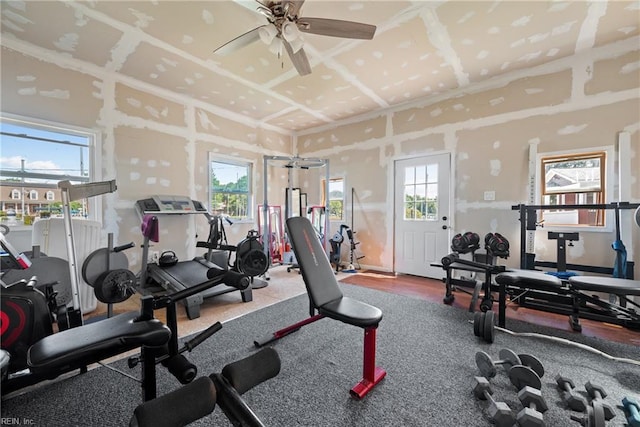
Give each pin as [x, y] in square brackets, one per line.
[568, 292]
[170, 273]
[291, 164]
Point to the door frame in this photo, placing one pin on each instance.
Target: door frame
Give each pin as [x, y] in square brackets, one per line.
[391, 177]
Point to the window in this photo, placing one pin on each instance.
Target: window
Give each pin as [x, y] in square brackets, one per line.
[41, 154]
[574, 179]
[231, 188]
[336, 199]
[421, 192]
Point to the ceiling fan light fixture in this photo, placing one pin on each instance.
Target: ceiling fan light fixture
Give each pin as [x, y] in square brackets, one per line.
[290, 31]
[268, 33]
[275, 46]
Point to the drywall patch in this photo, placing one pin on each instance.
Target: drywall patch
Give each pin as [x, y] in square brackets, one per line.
[522, 21]
[134, 176]
[187, 39]
[496, 145]
[134, 102]
[463, 155]
[134, 161]
[496, 101]
[26, 78]
[27, 91]
[152, 163]
[533, 91]
[165, 163]
[207, 17]
[68, 42]
[151, 180]
[571, 129]
[495, 166]
[165, 182]
[630, 68]
[55, 93]
[143, 19]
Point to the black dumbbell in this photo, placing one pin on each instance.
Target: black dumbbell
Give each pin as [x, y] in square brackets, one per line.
[534, 406]
[596, 392]
[574, 401]
[594, 416]
[487, 365]
[499, 412]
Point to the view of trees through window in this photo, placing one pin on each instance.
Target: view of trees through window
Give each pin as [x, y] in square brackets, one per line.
[231, 189]
[421, 193]
[336, 199]
[34, 158]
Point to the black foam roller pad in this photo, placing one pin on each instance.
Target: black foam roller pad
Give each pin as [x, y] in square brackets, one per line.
[247, 373]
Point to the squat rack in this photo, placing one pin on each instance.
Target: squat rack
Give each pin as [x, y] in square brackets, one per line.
[529, 222]
[291, 163]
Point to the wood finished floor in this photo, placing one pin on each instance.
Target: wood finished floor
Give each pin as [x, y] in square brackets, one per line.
[433, 290]
[284, 285]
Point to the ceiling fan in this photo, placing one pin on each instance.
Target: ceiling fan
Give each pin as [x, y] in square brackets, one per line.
[284, 31]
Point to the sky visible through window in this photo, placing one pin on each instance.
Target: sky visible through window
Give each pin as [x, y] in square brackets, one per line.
[43, 156]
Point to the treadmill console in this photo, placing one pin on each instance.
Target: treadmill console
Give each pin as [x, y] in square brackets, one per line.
[162, 205]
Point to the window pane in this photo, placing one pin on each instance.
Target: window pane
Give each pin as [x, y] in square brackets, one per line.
[231, 188]
[579, 175]
[432, 173]
[409, 175]
[421, 175]
[336, 199]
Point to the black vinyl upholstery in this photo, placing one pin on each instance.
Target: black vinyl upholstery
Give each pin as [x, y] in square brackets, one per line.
[529, 279]
[95, 341]
[320, 281]
[609, 285]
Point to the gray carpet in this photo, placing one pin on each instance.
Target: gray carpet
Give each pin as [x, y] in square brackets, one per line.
[426, 348]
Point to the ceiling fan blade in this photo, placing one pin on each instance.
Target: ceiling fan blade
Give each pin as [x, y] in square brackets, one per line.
[295, 6]
[337, 28]
[299, 59]
[239, 42]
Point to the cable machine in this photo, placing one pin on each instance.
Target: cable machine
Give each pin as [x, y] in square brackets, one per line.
[291, 163]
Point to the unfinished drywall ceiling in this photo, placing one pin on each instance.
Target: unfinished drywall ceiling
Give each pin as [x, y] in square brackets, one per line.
[421, 50]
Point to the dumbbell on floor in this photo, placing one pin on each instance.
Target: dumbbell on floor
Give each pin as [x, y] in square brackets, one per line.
[499, 412]
[594, 416]
[534, 406]
[508, 359]
[574, 401]
[596, 392]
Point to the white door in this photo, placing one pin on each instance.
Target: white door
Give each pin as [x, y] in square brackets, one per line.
[422, 203]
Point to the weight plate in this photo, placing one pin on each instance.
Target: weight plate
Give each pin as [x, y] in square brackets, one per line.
[489, 330]
[474, 297]
[521, 376]
[100, 261]
[115, 286]
[532, 362]
[254, 263]
[510, 356]
[485, 365]
[477, 321]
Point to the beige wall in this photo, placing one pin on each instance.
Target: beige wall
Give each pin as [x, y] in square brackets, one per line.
[158, 143]
[152, 143]
[489, 131]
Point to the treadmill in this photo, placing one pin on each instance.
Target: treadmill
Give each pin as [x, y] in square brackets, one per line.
[183, 274]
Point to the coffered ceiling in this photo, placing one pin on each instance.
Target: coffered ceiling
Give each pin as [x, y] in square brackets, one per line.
[421, 49]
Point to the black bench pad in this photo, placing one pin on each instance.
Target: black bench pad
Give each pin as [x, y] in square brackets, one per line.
[529, 279]
[609, 285]
[93, 342]
[351, 311]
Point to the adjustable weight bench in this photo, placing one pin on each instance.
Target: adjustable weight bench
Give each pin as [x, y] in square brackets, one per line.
[326, 297]
[79, 347]
[571, 296]
[622, 288]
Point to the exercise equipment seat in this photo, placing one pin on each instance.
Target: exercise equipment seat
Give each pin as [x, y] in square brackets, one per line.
[327, 298]
[93, 342]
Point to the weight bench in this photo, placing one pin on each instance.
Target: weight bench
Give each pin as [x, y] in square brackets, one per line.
[326, 297]
[573, 296]
[77, 348]
[622, 288]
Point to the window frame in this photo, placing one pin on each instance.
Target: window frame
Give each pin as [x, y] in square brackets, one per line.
[607, 175]
[94, 146]
[236, 161]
